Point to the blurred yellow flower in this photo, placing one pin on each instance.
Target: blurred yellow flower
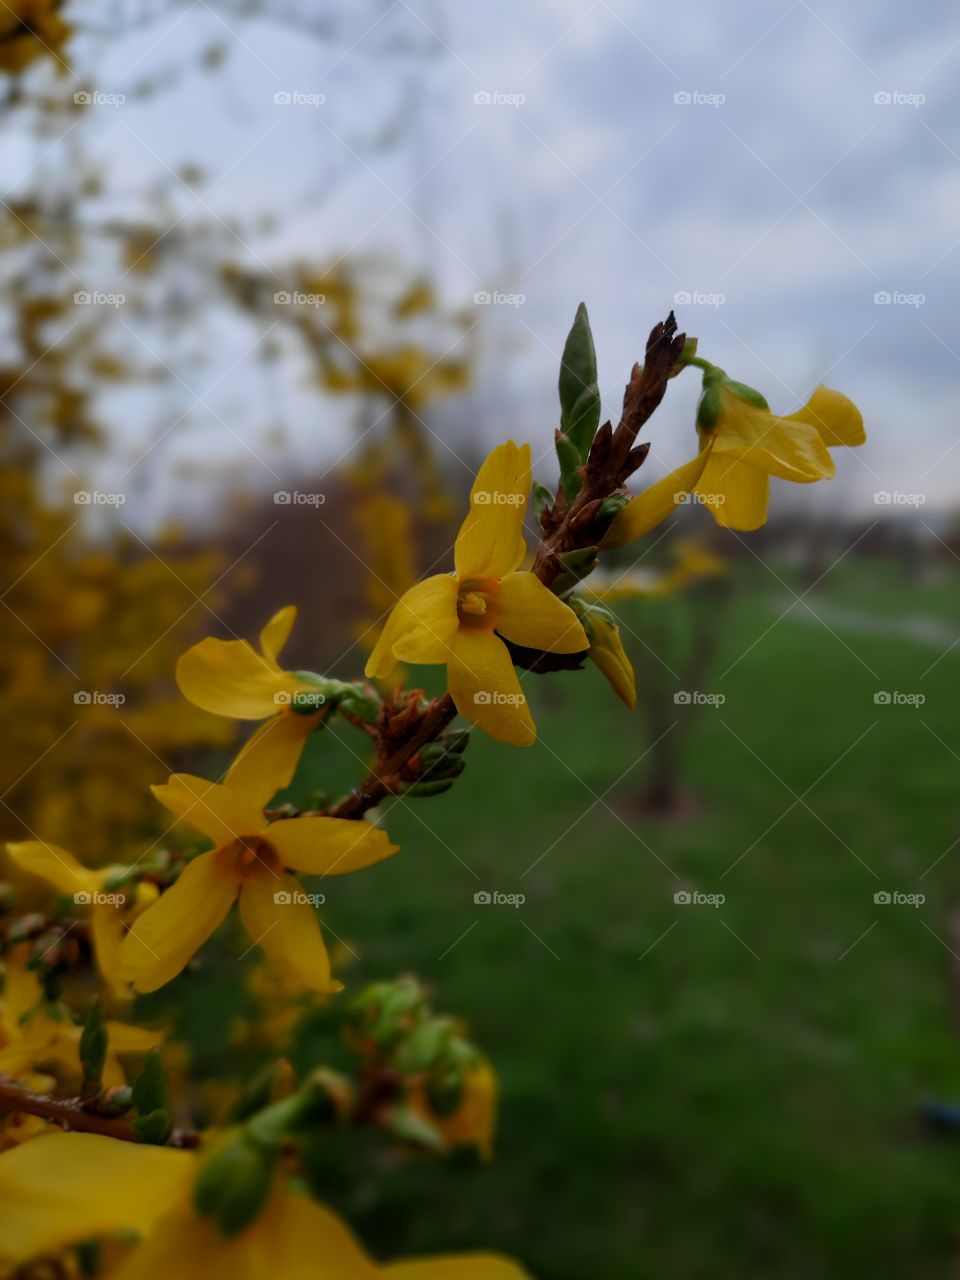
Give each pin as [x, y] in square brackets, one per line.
[59, 1190]
[458, 618]
[32, 1037]
[111, 910]
[229, 678]
[742, 444]
[248, 863]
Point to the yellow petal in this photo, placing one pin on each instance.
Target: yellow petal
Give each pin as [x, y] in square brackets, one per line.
[187, 1247]
[734, 492]
[608, 653]
[220, 812]
[457, 1266]
[108, 934]
[287, 930]
[837, 419]
[784, 447]
[328, 846]
[429, 607]
[277, 632]
[490, 542]
[229, 678]
[268, 759]
[170, 933]
[528, 613]
[21, 993]
[655, 504]
[485, 688]
[53, 864]
[65, 1187]
[306, 1241]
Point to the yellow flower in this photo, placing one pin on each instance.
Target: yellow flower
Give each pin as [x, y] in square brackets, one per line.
[745, 445]
[61, 1189]
[111, 911]
[31, 1037]
[458, 618]
[229, 678]
[248, 863]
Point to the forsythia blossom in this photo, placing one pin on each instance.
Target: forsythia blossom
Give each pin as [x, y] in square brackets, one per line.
[742, 444]
[248, 864]
[458, 619]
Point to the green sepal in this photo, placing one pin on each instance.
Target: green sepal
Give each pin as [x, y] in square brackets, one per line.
[577, 565]
[749, 394]
[152, 1128]
[409, 1126]
[542, 498]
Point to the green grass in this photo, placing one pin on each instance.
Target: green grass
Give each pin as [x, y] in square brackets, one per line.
[688, 1090]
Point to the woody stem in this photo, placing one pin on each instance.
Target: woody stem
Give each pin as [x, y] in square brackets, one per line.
[71, 1114]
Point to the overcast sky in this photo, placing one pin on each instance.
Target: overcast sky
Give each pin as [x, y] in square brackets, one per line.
[779, 163]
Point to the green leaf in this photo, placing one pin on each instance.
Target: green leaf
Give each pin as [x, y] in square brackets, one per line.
[581, 425]
[542, 498]
[749, 394]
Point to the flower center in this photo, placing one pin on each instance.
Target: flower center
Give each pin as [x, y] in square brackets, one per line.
[248, 856]
[475, 605]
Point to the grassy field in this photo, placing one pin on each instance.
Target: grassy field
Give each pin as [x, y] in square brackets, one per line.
[697, 1090]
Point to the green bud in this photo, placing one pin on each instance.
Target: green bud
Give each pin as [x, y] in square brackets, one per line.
[457, 741]
[580, 426]
[234, 1183]
[94, 1042]
[578, 372]
[151, 1100]
[420, 790]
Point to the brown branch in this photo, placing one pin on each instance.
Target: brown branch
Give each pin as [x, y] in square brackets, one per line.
[73, 1114]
